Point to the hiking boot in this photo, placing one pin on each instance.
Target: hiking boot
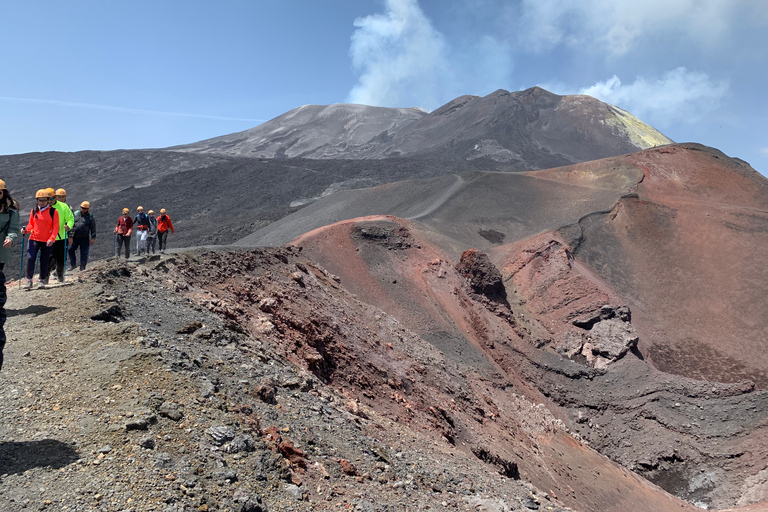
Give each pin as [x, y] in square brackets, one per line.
[41, 285]
[60, 278]
[28, 284]
[72, 268]
[45, 281]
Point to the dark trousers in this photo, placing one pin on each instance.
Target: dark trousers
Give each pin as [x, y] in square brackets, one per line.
[59, 257]
[45, 258]
[3, 298]
[151, 240]
[124, 240]
[84, 243]
[162, 238]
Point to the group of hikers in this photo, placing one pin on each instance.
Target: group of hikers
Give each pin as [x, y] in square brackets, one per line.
[150, 231]
[55, 231]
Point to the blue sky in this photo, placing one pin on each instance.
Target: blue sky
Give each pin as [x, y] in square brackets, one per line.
[106, 75]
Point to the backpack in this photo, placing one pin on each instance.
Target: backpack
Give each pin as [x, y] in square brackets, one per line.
[50, 210]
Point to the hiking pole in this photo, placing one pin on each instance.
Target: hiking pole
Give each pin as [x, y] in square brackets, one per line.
[114, 246]
[21, 260]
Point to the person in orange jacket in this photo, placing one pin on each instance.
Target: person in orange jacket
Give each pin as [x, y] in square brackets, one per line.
[43, 227]
[163, 225]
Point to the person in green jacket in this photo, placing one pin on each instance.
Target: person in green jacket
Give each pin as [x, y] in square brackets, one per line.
[9, 232]
[66, 221]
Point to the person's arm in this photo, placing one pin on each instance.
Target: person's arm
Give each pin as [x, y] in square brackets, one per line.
[30, 225]
[170, 224]
[54, 228]
[69, 218]
[93, 228]
[13, 228]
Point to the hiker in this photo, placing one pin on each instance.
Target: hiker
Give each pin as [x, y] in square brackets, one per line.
[9, 231]
[141, 225]
[66, 221]
[43, 227]
[83, 235]
[152, 233]
[163, 225]
[123, 232]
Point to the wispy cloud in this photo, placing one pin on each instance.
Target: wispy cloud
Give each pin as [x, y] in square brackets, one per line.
[763, 151]
[615, 28]
[679, 95]
[126, 110]
[403, 60]
[400, 57]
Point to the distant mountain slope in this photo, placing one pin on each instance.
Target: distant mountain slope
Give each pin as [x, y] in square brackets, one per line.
[531, 129]
[679, 232]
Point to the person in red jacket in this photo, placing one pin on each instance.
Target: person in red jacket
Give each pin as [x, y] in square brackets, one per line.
[123, 232]
[163, 225]
[43, 227]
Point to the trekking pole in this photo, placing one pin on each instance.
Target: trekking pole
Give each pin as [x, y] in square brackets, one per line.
[114, 246]
[21, 262]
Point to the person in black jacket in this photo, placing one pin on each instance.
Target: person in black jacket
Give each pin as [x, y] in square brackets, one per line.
[83, 235]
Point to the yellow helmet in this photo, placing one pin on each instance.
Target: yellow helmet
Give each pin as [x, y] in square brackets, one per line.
[50, 191]
[61, 192]
[85, 204]
[2, 185]
[162, 210]
[126, 210]
[43, 192]
[151, 212]
[140, 208]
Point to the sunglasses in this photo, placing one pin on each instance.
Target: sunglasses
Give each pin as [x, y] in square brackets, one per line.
[82, 208]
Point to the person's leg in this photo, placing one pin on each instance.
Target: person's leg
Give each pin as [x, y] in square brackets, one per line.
[161, 236]
[3, 298]
[32, 250]
[57, 256]
[127, 246]
[85, 247]
[45, 258]
[72, 255]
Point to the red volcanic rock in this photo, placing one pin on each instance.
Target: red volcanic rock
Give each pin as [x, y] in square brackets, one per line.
[482, 275]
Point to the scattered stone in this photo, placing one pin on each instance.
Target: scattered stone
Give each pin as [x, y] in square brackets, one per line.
[147, 442]
[221, 434]
[267, 390]
[170, 410]
[112, 314]
[294, 491]
[241, 443]
[189, 328]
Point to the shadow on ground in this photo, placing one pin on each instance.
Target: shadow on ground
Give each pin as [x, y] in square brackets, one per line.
[19, 456]
[30, 310]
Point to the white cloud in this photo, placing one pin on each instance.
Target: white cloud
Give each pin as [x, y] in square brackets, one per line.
[400, 57]
[404, 61]
[679, 95]
[763, 151]
[615, 27]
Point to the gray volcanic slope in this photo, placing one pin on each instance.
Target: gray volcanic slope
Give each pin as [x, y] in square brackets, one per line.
[476, 209]
[531, 129]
